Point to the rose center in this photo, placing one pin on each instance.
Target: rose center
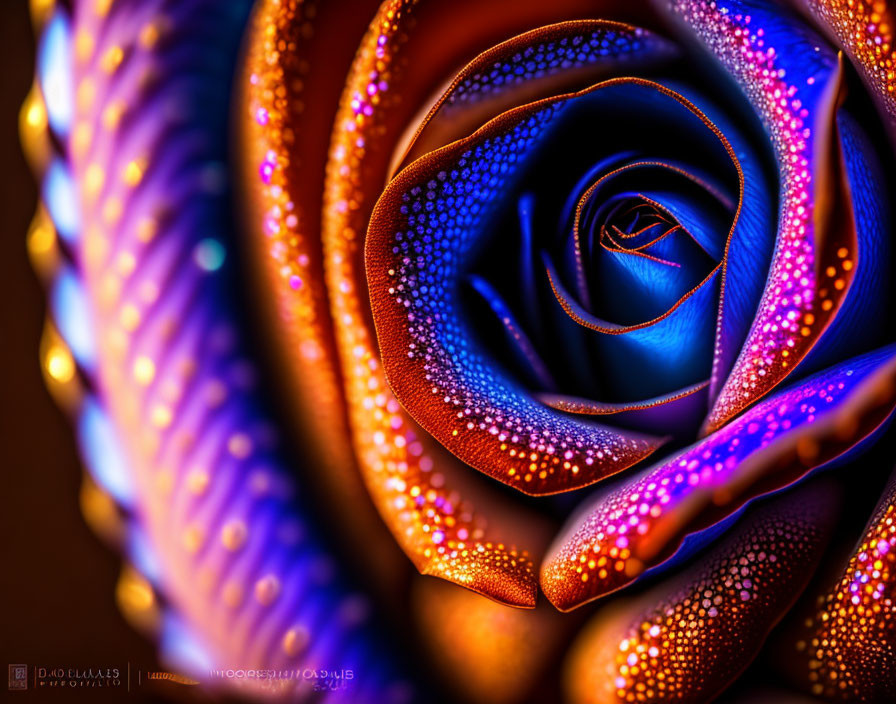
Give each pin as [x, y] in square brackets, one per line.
[610, 261]
[626, 257]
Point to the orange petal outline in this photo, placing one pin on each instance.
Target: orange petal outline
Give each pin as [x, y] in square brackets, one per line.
[587, 407]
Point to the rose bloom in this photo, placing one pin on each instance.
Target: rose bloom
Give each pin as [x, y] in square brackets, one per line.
[582, 308]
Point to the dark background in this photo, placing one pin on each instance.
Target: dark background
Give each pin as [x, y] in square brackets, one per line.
[57, 580]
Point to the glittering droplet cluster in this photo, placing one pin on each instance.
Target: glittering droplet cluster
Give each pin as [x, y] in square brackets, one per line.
[537, 60]
[848, 648]
[865, 30]
[686, 640]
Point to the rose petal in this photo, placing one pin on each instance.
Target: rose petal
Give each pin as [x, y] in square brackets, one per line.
[547, 61]
[865, 32]
[676, 346]
[644, 267]
[845, 648]
[434, 369]
[747, 251]
[687, 638]
[631, 529]
[411, 479]
[857, 327]
[283, 224]
[793, 82]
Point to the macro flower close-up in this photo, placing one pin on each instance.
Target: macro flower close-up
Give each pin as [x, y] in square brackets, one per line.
[480, 351]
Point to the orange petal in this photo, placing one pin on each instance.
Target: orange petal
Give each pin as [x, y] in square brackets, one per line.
[687, 638]
[864, 29]
[846, 649]
[404, 471]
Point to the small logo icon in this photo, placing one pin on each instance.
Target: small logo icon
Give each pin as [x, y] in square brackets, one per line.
[18, 677]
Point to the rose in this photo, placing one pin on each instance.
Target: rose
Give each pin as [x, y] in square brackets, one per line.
[420, 249]
[423, 236]
[771, 284]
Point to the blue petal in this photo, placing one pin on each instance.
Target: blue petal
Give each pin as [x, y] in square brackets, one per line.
[642, 362]
[708, 228]
[668, 355]
[634, 287]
